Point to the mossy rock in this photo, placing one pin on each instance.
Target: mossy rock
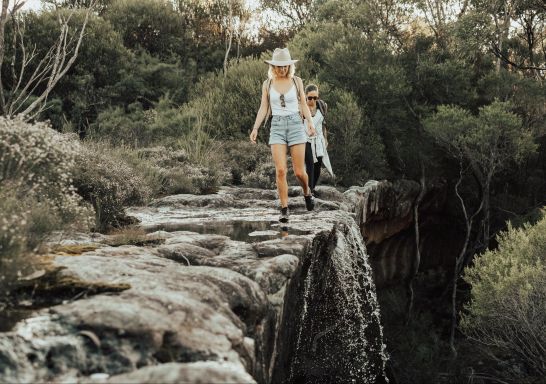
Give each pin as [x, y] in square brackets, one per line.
[53, 286]
[73, 250]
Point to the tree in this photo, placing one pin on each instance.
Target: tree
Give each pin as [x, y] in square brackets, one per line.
[294, 12]
[154, 26]
[215, 26]
[516, 35]
[22, 98]
[85, 90]
[485, 145]
[356, 151]
[229, 117]
[439, 14]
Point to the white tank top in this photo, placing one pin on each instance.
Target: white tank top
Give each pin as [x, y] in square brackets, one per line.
[290, 101]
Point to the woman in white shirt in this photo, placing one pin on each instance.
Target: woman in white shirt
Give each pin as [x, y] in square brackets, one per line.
[283, 98]
[316, 154]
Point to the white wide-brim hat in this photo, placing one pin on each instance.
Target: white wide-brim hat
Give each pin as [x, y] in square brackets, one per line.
[281, 57]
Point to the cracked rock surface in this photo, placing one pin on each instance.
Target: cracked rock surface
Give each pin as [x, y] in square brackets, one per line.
[205, 301]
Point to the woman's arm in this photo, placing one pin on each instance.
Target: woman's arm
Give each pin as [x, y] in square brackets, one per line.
[305, 109]
[262, 112]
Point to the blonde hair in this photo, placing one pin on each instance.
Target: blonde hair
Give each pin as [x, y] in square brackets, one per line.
[271, 71]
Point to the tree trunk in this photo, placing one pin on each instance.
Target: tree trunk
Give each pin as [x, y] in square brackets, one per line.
[3, 20]
[230, 37]
[417, 255]
[486, 213]
[504, 31]
[459, 260]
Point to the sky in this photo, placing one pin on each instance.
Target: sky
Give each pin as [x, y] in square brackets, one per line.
[31, 4]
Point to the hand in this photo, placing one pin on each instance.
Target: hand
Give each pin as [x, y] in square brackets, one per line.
[311, 130]
[253, 135]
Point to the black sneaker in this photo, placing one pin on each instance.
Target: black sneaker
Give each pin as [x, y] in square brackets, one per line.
[284, 215]
[309, 202]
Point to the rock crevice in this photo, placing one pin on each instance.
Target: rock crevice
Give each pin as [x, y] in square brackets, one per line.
[250, 303]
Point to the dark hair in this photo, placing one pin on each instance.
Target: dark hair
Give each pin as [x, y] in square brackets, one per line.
[311, 88]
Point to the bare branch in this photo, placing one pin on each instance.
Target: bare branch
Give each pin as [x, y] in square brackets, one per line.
[51, 67]
[60, 65]
[495, 49]
[35, 79]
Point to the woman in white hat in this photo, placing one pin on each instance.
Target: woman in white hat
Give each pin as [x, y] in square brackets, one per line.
[283, 98]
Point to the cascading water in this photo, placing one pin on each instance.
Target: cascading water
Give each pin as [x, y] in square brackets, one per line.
[331, 330]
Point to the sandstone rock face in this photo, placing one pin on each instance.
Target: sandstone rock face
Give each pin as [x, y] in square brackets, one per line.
[226, 295]
[384, 211]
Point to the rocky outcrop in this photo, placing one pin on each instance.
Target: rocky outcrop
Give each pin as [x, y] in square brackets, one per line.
[384, 213]
[217, 292]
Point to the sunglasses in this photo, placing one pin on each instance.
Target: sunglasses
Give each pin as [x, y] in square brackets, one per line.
[312, 98]
[283, 103]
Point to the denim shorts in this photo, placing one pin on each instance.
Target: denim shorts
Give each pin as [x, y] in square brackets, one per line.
[287, 130]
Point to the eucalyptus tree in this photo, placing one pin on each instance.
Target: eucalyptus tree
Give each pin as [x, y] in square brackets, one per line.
[484, 145]
[216, 26]
[295, 13]
[520, 32]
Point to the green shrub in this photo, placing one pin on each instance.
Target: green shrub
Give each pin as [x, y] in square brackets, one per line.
[25, 221]
[243, 157]
[38, 160]
[121, 176]
[109, 183]
[163, 169]
[227, 105]
[13, 222]
[262, 177]
[199, 146]
[155, 165]
[184, 178]
[17, 238]
[193, 166]
[121, 127]
[36, 194]
[206, 180]
[139, 127]
[355, 150]
[162, 156]
[507, 314]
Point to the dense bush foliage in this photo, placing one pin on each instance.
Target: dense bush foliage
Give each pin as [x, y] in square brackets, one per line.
[36, 193]
[227, 105]
[263, 176]
[39, 162]
[507, 313]
[137, 127]
[110, 184]
[243, 157]
[356, 151]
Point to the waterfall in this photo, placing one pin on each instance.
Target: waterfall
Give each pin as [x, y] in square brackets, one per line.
[331, 330]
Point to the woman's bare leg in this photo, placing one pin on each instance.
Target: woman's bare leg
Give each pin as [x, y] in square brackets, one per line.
[279, 158]
[298, 163]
